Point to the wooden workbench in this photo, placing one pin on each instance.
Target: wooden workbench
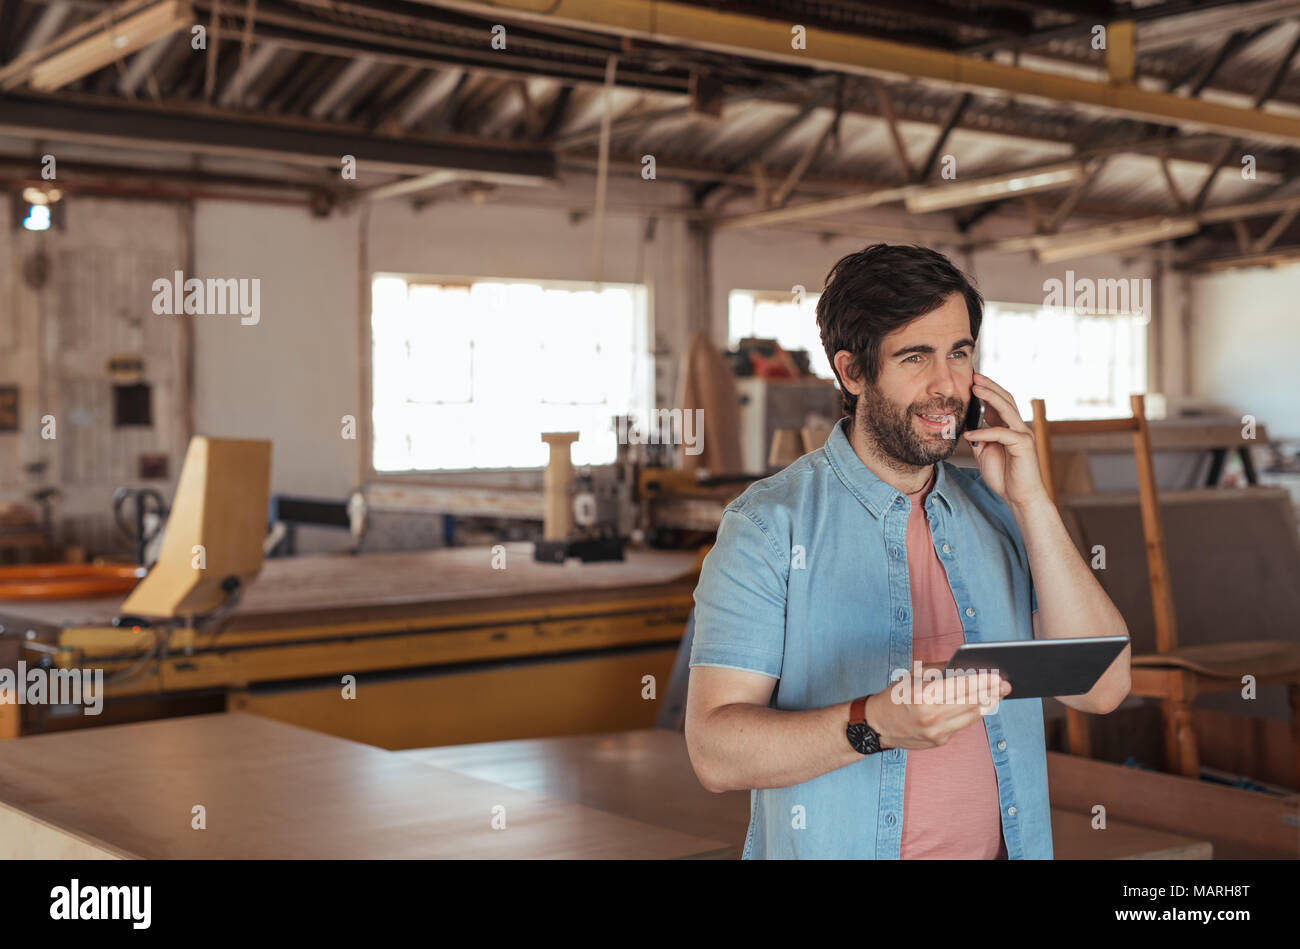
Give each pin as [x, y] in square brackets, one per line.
[646, 775]
[275, 791]
[296, 591]
[443, 647]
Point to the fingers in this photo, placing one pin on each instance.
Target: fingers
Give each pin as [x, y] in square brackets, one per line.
[940, 708]
[985, 382]
[1018, 441]
[957, 692]
[1000, 400]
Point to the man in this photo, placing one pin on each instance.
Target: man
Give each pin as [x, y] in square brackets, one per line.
[871, 553]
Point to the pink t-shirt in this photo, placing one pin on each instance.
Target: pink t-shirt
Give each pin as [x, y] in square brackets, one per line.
[950, 793]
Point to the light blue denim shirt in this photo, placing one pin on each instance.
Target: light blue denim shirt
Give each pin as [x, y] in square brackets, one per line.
[808, 583]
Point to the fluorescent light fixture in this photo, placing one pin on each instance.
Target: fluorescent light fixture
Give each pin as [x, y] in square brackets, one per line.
[113, 42]
[1099, 240]
[959, 193]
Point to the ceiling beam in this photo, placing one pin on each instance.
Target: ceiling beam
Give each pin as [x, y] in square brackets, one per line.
[950, 121]
[16, 72]
[811, 153]
[1136, 233]
[1180, 203]
[1067, 206]
[1230, 48]
[82, 50]
[770, 40]
[874, 198]
[344, 83]
[222, 133]
[1199, 19]
[758, 149]
[623, 125]
[886, 106]
[1274, 258]
[434, 90]
[246, 74]
[142, 65]
[47, 27]
[1270, 236]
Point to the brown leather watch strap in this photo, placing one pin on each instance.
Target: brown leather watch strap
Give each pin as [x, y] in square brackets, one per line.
[858, 710]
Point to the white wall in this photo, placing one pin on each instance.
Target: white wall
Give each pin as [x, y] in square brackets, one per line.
[292, 377]
[1245, 336]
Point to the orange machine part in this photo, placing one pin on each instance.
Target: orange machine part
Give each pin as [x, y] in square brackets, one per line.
[66, 581]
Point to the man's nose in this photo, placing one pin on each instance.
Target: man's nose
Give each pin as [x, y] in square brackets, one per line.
[947, 385]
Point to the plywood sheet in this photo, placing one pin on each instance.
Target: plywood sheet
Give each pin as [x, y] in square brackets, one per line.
[647, 775]
[274, 791]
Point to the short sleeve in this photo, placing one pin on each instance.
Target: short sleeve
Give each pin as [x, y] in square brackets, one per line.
[740, 600]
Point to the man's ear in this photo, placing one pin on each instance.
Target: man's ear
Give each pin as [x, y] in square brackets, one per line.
[845, 365]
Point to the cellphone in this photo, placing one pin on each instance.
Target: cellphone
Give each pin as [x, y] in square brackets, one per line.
[974, 414]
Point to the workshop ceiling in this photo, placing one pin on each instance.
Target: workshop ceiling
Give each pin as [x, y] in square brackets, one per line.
[419, 92]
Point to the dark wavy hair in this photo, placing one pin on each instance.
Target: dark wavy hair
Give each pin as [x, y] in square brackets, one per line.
[878, 290]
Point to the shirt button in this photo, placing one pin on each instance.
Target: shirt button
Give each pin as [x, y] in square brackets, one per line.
[895, 551]
[970, 611]
[947, 549]
[895, 752]
[1011, 811]
[902, 613]
[1002, 746]
[891, 818]
[898, 499]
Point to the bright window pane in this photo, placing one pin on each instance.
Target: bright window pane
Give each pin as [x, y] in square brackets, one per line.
[470, 375]
[1083, 366]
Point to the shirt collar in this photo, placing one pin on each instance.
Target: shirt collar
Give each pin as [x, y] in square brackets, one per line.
[876, 495]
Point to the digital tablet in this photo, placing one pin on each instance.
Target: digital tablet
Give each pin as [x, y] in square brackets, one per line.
[1042, 667]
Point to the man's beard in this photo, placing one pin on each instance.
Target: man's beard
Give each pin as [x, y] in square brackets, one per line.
[895, 434]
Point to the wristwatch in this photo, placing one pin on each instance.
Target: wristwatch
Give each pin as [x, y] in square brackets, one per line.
[864, 739]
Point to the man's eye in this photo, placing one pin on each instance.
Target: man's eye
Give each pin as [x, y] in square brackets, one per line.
[961, 353]
[914, 356]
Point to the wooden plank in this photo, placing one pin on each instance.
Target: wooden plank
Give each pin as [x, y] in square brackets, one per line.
[1240, 824]
[1167, 435]
[464, 500]
[272, 791]
[707, 384]
[1171, 435]
[1075, 838]
[1154, 535]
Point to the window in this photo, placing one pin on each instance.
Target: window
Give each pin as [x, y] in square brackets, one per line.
[469, 373]
[1083, 366]
[777, 316]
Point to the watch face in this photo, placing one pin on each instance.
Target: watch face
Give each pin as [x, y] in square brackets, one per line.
[863, 738]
